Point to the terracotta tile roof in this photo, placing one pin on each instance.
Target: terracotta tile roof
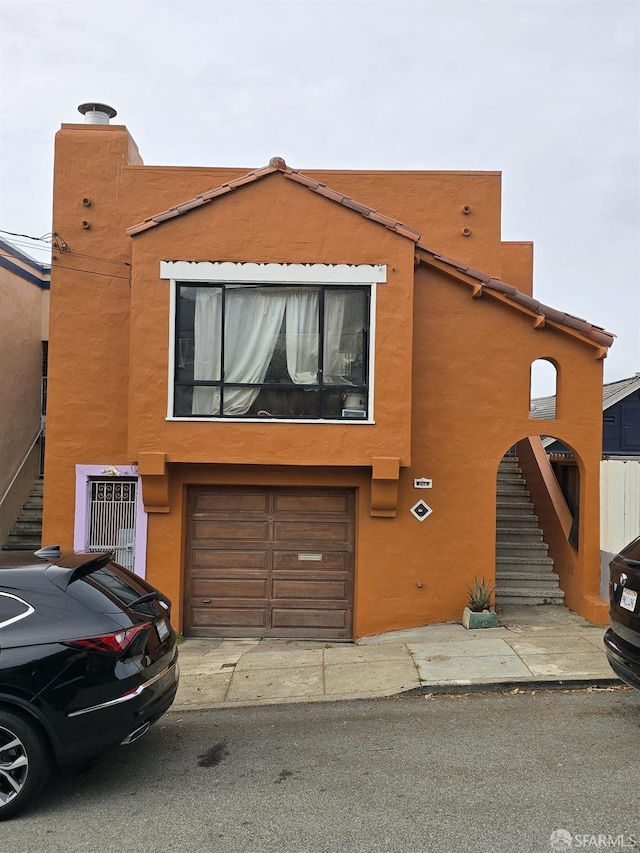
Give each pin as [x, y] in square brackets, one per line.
[512, 294]
[276, 164]
[424, 254]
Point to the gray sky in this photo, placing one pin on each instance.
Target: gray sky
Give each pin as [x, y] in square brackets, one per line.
[546, 91]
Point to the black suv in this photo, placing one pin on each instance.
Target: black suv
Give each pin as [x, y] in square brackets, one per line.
[622, 640]
[88, 660]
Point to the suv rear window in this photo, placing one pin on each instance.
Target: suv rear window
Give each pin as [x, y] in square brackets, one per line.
[12, 609]
[115, 582]
[118, 585]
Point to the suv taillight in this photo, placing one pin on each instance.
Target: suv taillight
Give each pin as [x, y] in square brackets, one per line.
[111, 643]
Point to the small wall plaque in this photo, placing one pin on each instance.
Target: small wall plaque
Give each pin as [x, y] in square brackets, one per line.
[315, 557]
[422, 483]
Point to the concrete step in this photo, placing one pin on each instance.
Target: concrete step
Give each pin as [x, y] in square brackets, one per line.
[521, 549]
[526, 580]
[526, 596]
[33, 503]
[525, 515]
[518, 534]
[25, 524]
[509, 477]
[523, 570]
[513, 503]
[509, 563]
[506, 521]
[518, 490]
[18, 544]
[33, 514]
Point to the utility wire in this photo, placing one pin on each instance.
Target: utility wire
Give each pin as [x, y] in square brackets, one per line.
[46, 238]
[96, 258]
[49, 238]
[92, 272]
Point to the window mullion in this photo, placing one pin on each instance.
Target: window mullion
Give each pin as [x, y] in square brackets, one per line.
[178, 332]
[321, 400]
[223, 317]
[321, 336]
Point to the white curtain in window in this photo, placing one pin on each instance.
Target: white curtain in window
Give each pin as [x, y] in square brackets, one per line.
[334, 308]
[252, 324]
[302, 336]
[206, 360]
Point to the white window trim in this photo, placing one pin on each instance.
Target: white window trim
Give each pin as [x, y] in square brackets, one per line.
[251, 273]
[248, 273]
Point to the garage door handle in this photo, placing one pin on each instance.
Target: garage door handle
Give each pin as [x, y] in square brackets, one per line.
[206, 601]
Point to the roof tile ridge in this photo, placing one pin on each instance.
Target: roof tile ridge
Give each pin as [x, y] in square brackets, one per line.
[346, 201]
[201, 198]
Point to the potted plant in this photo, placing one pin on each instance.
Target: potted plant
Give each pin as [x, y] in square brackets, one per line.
[479, 613]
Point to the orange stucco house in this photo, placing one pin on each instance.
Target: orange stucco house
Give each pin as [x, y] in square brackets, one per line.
[284, 397]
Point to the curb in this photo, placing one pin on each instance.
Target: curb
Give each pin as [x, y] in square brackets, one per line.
[510, 686]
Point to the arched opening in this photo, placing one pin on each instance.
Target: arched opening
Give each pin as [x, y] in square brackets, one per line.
[538, 492]
[543, 386]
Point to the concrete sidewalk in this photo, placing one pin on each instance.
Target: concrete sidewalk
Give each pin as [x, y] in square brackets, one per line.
[533, 645]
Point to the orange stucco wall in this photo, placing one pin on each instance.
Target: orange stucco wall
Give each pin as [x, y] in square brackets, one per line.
[517, 265]
[451, 389]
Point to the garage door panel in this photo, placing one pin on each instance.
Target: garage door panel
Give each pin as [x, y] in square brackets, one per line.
[225, 588]
[227, 501]
[207, 560]
[309, 589]
[307, 618]
[311, 531]
[229, 617]
[235, 530]
[292, 504]
[306, 561]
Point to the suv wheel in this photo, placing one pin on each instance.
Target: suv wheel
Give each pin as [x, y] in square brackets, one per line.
[25, 762]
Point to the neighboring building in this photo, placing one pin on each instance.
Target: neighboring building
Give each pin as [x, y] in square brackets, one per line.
[24, 310]
[619, 468]
[323, 463]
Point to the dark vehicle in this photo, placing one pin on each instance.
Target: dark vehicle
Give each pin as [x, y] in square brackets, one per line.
[622, 640]
[88, 660]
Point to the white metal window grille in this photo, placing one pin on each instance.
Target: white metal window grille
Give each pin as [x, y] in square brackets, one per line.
[112, 516]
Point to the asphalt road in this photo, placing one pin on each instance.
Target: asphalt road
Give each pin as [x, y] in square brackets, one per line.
[449, 774]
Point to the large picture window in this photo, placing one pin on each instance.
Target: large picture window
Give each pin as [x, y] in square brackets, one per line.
[272, 351]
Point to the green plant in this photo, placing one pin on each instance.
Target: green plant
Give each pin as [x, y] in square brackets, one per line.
[480, 595]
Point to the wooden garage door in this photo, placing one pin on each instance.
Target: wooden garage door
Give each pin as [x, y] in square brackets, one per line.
[269, 562]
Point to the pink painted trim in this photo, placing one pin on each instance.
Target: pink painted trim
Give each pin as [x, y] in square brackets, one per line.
[80, 528]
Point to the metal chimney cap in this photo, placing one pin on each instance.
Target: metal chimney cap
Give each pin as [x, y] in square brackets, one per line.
[97, 113]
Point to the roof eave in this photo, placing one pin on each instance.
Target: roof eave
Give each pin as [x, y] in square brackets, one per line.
[508, 294]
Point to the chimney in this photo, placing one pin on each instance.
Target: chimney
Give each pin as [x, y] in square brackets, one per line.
[97, 113]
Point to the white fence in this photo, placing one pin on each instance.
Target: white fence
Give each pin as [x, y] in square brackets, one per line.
[619, 510]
